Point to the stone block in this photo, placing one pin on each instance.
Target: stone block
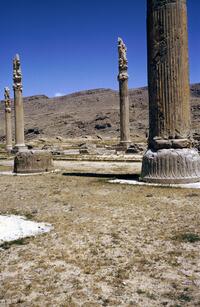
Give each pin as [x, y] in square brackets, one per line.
[33, 161]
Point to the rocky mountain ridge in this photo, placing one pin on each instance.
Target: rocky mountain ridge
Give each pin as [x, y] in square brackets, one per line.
[91, 112]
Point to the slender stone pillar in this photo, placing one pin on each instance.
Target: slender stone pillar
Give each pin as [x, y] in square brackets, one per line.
[170, 157]
[8, 120]
[123, 93]
[18, 104]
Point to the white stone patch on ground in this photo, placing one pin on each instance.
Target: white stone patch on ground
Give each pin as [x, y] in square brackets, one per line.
[195, 185]
[14, 227]
[11, 173]
[7, 162]
[6, 173]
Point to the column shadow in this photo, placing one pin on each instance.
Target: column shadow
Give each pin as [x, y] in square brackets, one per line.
[103, 175]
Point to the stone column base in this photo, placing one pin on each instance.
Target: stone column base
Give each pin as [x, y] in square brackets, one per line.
[122, 146]
[171, 166]
[9, 148]
[19, 148]
[31, 161]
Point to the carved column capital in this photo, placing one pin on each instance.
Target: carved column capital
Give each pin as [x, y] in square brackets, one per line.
[123, 62]
[17, 74]
[18, 87]
[7, 100]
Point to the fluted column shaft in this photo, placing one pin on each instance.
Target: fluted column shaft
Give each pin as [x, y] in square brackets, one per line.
[18, 105]
[8, 126]
[19, 118]
[124, 111]
[169, 109]
[8, 120]
[123, 95]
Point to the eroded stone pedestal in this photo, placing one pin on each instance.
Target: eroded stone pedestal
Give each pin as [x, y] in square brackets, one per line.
[171, 166]
[31, 161]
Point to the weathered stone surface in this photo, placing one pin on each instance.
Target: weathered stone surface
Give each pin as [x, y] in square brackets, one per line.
[171, 166]
[123, 93]
[18, 104]
[170, 158]
[8, 120]
[168, 70]
[122, 146]
[136, 148]
[197, 141]
[31, 161]
[92, 149]
[88, 149]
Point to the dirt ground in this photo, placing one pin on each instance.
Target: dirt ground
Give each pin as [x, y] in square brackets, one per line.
[112, 245]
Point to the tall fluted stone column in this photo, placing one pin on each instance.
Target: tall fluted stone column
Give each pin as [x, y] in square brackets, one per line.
[8, 120]
[123, 93]
[18, 105]
[170, 157]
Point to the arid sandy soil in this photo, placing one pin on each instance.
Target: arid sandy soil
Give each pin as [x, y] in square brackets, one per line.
[112, 245]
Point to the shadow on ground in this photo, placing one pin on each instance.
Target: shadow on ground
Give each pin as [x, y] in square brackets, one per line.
[103, 175]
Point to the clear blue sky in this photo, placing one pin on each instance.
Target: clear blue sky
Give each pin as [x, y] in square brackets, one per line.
[71, 45]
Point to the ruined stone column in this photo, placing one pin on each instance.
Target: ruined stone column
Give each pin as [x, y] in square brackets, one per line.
[18, 104]
[123, 93]
[8, 120]
[170, 157]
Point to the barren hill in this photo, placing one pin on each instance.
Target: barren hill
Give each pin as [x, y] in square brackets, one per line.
[90, 112]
